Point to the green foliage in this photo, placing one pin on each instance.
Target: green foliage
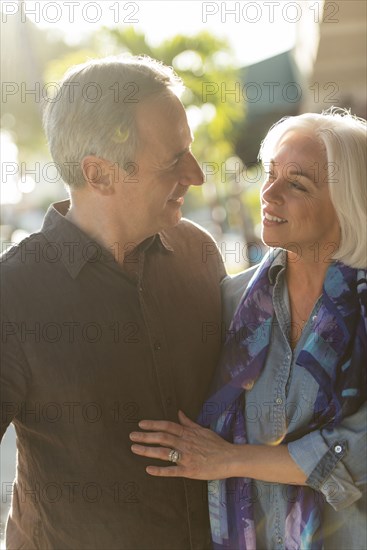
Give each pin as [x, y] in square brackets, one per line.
[56, 68]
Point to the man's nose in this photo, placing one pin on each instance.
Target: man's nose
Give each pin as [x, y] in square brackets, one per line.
[191, 173]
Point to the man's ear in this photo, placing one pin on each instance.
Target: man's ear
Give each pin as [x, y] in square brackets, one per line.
[98, 174]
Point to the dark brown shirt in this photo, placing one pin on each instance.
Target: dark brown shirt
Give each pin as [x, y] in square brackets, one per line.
[89, 349]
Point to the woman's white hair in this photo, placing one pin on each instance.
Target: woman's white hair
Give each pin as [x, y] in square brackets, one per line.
[344, 137]
[94, 111]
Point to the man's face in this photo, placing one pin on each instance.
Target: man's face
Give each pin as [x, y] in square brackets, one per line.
[164, 167]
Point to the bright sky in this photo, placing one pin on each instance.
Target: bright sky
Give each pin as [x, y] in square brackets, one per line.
[255, 29]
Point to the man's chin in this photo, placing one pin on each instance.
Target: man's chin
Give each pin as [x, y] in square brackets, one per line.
[173, 219]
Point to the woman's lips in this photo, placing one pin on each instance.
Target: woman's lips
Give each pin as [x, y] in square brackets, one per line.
[271, 219]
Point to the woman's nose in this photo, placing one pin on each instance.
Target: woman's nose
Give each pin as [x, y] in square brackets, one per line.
[271, 192]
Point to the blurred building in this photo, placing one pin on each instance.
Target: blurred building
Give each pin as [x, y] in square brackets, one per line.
[272, 89]
[326, 67]
[338, 70]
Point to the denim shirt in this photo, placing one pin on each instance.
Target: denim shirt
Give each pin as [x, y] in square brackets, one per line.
[281, 402]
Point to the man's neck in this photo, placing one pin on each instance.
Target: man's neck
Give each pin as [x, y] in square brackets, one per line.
[118, 238]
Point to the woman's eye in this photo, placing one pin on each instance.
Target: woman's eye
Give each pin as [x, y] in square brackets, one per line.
[297, 185]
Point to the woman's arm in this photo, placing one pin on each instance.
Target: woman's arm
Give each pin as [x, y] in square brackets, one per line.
[332, 462]
[205, 455]
[335, 460]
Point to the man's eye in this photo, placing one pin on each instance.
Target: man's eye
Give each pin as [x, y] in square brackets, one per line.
[172, 166]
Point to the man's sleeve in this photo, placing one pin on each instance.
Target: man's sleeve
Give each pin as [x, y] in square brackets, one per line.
[335, 460]
[14, 374]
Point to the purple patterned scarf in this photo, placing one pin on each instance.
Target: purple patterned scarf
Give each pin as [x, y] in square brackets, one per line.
[335, 354]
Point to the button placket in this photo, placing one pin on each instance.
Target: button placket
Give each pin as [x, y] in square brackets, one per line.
[284, 371]
[158, 344]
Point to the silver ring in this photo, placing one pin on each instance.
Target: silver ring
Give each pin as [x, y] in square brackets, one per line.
[174, 456]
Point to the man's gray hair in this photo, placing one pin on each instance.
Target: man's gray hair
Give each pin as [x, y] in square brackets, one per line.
[94, 111]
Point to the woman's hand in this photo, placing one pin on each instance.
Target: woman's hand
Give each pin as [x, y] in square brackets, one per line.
[203, 454]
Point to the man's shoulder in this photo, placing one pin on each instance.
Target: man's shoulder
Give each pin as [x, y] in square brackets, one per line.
[188, 234]
[21, 256]
[188, 229]
[193, 243]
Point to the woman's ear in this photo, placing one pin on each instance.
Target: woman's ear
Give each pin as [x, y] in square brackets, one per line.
[98, 174]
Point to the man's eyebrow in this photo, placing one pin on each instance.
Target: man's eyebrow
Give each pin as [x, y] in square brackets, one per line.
[180, 154]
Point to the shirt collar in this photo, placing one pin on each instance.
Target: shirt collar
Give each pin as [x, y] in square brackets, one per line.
[279, 263]
[76, 247]
[165, 240]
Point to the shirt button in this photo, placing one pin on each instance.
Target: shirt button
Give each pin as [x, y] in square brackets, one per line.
[279, 540]
[157, 345]
[338, 449]
[279, 401]
[168, 401]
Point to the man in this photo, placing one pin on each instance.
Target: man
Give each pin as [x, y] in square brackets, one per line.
[106, 313]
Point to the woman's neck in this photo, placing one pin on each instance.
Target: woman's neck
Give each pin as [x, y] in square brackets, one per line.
[304, 275]
[305, 281]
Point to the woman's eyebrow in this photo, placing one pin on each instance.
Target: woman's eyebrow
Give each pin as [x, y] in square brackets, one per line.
[295, 170]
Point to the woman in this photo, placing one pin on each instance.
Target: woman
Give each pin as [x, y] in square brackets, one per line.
[287, 415]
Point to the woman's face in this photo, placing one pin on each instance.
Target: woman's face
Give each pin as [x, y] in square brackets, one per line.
[297, 213]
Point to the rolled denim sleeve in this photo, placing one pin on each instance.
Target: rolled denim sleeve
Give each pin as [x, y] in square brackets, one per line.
[335, 460]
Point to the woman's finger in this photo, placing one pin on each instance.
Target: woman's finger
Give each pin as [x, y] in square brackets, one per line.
[168, 471]
[158, 438]
[162, 426]
[161, 453]
[186, 421]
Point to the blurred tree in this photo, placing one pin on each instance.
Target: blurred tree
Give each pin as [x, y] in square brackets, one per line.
[24, 88]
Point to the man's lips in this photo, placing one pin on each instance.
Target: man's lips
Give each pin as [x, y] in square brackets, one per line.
[177, 200]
